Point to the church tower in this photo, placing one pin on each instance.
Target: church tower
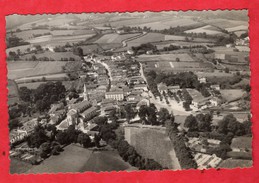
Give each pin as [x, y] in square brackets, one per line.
[85, 94]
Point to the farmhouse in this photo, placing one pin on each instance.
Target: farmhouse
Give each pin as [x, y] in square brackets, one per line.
[17, 135]
[215, 87]
[215, 101]
[198, 101]
[116, 95]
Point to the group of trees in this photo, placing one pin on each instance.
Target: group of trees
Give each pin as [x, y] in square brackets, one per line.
[43, 96]
[229, 124]
[143, 48]
[201, 123]
[14, 41]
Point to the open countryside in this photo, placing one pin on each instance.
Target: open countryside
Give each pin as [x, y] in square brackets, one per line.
[95, 92]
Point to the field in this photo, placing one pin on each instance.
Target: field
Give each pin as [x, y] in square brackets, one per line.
[153, 144]
[237, 28]
[21, 48]
[59, 40]
[240, 55]
[77, 159]
[232, 94]
[149, 37]
[165, 57]
[13, 92]
[20, 69]
[18, 166]
[91, 48]
[54, 55]
[234, 163]
[207, 29]
[114, 38]
[224, 23]
[28, 34]
[49, 77]
[215, 74]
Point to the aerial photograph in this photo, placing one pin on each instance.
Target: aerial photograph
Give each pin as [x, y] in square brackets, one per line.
[98, 92]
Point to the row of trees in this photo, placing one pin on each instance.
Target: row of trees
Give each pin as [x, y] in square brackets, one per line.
[183, 153]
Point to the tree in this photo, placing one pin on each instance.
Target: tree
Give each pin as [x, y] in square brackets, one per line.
[177, 59]
[191, 123]
[25, 94]
[230, 124]
[226, 70]
[37, 138]
[204, 122]
[84, 140]
[62, 138]
[143, 113]
[130, 113]
[163, 115]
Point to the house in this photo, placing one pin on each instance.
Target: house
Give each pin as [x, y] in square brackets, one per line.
[116, 95]
[17, 135]
[144, 102]
[241, 144]
[130, 52]
[215, 87]
[174, 88]
[162, 88]
[198, 101]
[202, 79]
[215, 101]
[141, 87]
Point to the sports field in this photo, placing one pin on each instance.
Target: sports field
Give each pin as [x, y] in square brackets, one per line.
[154, 144]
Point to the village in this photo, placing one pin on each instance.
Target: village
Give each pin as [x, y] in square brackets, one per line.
[195, 95]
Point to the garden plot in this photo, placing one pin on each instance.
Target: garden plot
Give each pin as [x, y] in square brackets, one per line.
[166, 57]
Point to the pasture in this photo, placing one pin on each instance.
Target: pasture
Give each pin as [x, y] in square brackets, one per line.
[167, 23]
[21, 69]
[18, 166]
[232, 94]
[114, 38]
[74, 158]
[207, 29]
[49, 77]
[33, 85]
[28, 34]
[225, 23]
[57, 56]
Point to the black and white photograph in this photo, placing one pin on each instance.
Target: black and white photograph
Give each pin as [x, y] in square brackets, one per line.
[102, 92]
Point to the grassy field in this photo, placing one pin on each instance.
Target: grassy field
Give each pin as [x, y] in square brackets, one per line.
[18, 166]
[13, 92]
[33, 85]
[224, 23]
[232, 94]
[20, 69]
[55, 55]
[167, 23]
[77, 159]
[91, 48]
[150, 37]
[114, 38]
[21, 48]
[206, 29]
[236, 163]
[153, 144]
[28, 34]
